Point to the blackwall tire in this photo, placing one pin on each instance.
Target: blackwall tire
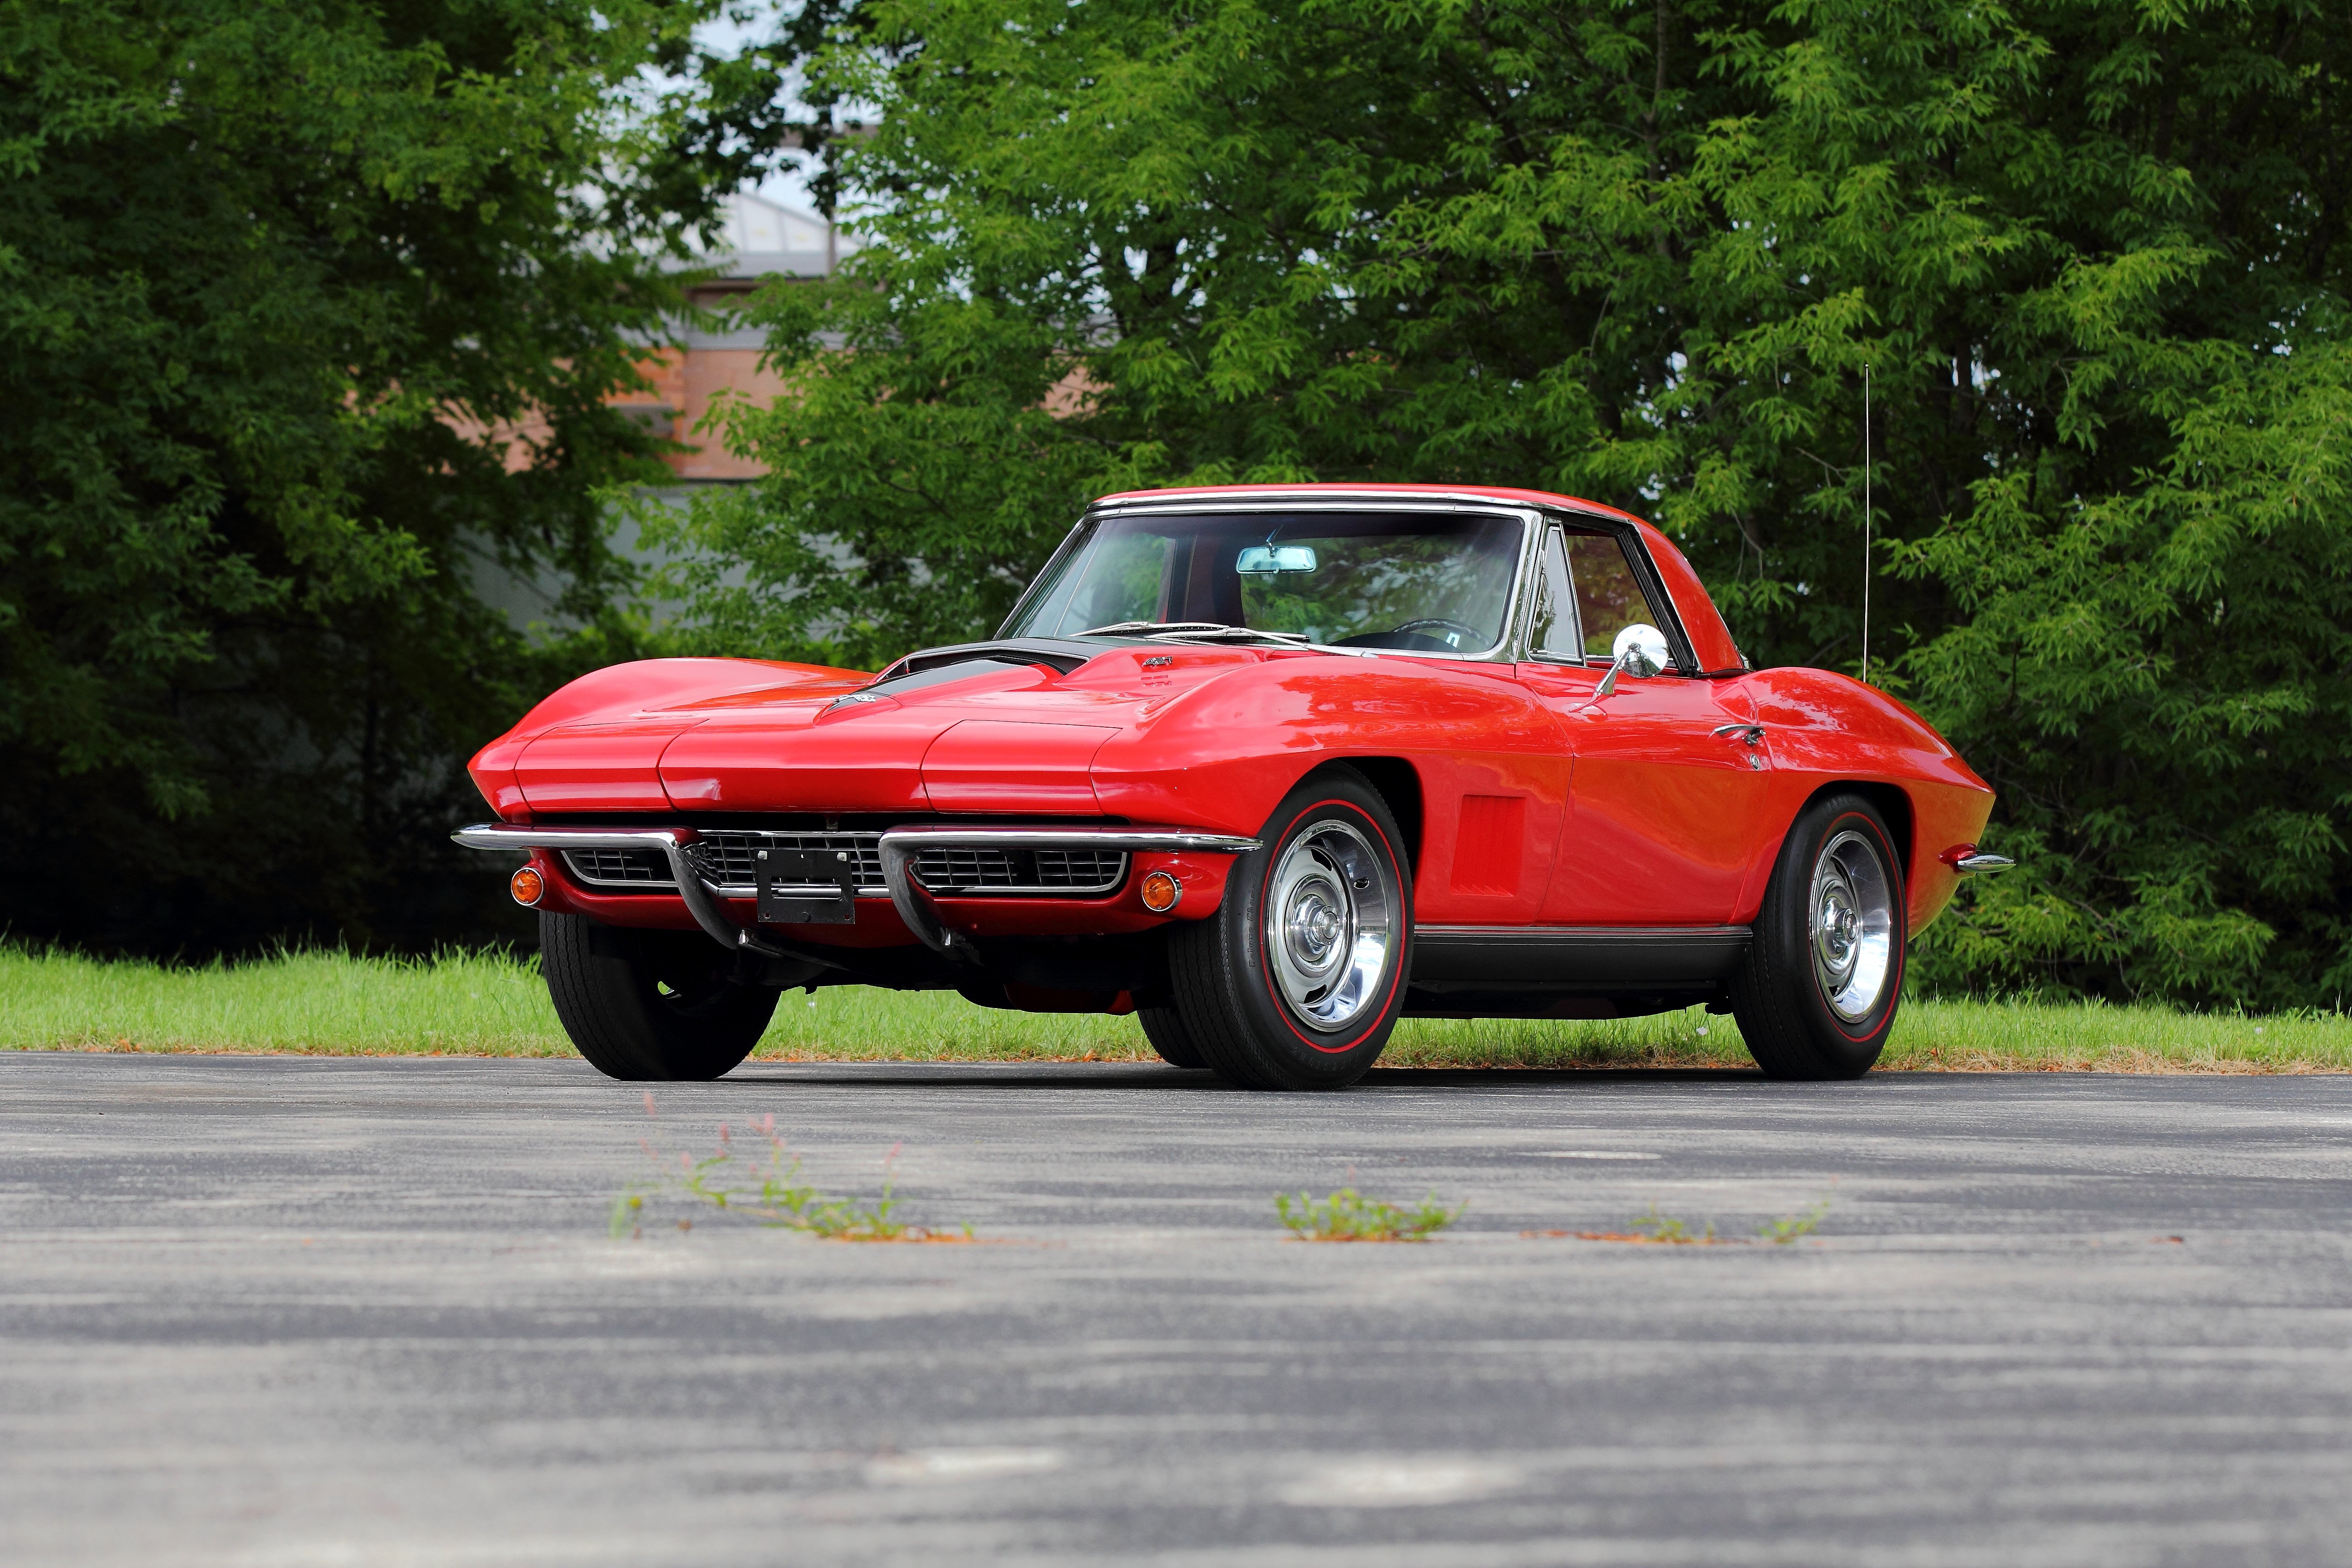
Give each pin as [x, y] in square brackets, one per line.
[1297, 981]
[1165, 1029]
[1817, 995]
[650, 1006]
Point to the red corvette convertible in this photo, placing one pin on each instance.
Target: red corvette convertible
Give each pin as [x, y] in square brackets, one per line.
[1271, 767]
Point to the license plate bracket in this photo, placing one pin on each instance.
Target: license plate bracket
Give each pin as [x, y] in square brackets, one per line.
[807, 887]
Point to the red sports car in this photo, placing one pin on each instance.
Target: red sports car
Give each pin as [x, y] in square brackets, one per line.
[1270, 766]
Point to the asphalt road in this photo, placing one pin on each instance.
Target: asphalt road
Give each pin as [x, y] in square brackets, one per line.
[276, 1311]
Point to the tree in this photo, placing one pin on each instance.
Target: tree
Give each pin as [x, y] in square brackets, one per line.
[311, 311]
[2092, 255]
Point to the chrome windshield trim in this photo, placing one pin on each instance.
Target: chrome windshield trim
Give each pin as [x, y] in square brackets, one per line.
[1504, 650]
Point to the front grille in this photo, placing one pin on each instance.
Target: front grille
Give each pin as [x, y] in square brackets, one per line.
[630, 869]
[974, 868]
[724, 856]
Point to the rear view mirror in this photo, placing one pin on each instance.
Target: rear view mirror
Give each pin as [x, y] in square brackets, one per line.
[1265, 560]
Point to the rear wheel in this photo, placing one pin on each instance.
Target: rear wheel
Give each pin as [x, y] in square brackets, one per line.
[1297, 981]
[650, 1005]
[1165, 1029]
[1817, 995]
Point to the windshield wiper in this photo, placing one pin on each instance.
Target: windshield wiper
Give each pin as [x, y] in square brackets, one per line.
[1210, 631]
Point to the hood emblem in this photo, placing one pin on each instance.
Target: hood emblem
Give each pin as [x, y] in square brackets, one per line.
[1160, 661]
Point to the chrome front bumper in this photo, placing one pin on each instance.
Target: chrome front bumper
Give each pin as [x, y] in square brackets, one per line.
[701, 899]
[899, 847]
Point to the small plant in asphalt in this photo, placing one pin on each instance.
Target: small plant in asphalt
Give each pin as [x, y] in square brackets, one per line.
[1671, 1231]
[1789, 1229]
[767, 1191]
[1658, 1229]
[1348, 1215]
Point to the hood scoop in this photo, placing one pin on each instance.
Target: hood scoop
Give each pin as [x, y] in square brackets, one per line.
[939, 666]
[1061, 655]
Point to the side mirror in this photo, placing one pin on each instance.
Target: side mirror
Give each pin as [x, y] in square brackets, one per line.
[1639, 650]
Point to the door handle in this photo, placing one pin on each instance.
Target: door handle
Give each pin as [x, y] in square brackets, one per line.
[1751, 734]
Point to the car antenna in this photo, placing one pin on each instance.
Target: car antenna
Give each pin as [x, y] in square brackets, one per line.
[1865, 522]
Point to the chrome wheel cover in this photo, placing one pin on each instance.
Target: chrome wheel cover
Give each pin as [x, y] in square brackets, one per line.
[1849, 925]
[1332, 919]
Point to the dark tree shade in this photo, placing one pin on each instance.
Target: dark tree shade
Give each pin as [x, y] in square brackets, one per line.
[307, 313]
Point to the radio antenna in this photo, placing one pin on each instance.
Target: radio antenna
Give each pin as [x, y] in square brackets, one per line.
[1865, 522]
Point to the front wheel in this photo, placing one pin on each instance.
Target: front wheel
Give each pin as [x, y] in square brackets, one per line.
[1297, 981]
[650, 1005]
[1817, 995]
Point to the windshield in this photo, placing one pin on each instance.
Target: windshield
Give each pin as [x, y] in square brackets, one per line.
[1424, 581]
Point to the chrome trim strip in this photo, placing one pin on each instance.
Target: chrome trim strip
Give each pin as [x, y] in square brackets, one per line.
[914, 904]
[1317, 497]
[697, 893]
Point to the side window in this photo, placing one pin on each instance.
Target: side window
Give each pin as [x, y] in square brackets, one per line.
[1607, 596]
[1555, 627]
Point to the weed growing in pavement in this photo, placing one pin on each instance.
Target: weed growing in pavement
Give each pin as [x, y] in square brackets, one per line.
[1671, 1231]
[1656, 1229]
[1790, 1229]
[1348, 1215]
[767, 1191]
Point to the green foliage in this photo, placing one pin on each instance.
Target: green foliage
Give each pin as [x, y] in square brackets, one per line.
[767, 1190]
[495, 1003]
[1790, 1229]
[2092, 255]
[1671, 1231]
[309, 312]
[1348, 1215]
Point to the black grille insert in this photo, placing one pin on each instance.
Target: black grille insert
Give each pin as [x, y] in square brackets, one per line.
[725, 857]
[639, 870]
[1015, 868]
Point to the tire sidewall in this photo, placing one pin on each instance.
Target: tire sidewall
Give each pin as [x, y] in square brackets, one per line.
[1306, 1056]
[1854, 1046]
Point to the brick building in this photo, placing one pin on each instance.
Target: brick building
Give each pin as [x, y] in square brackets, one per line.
[763, 239]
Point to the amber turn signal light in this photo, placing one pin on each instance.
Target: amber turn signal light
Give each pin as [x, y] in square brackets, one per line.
[1161, 891]
[527, 886]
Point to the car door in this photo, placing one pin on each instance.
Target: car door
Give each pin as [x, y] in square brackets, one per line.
[1669, 782]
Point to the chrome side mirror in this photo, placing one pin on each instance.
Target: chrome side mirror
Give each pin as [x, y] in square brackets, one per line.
[1639, 650]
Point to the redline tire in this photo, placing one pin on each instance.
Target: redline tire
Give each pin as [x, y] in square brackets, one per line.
[1165, 1029]
[1817, 995]
[649, 1005]
[1297, 980]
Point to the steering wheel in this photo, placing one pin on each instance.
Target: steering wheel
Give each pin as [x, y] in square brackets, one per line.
[1476, 638]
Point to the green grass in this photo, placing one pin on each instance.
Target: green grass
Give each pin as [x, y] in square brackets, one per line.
[493, 1005]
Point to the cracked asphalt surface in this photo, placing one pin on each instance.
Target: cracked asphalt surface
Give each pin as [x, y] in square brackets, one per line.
[261, 1310]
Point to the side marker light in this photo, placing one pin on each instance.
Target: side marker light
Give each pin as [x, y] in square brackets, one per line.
[1161, 891]
[527, 886]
